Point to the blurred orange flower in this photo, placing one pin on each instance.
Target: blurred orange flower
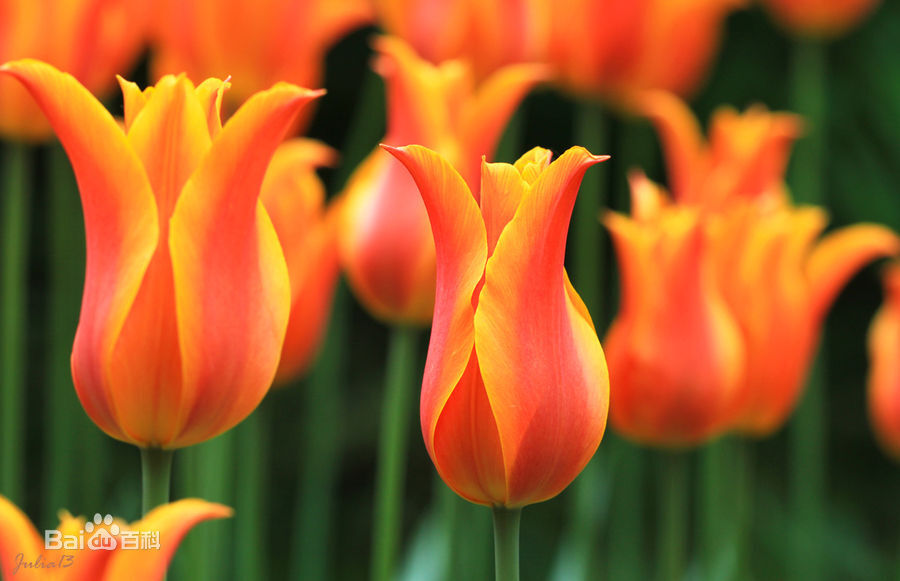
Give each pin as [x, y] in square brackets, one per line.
[385, 240]
[24, 554]
[92, 40]
[515, 394]
[884, 374]
[294, 197]
[613, 48]
[488, 34]
[257, 43]
[186, 294]
[819, 18]
[776, 280]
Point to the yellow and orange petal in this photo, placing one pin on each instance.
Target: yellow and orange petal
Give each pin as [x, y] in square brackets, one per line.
[515, 392]
[884, 366]
[163, 356]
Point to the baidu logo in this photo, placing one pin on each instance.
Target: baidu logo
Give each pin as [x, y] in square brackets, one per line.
[101, 534]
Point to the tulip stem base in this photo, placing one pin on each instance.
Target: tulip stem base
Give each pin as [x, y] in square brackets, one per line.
[156, 473]
[673, 505]
[396, 414]
[506, 543]
[13, 302]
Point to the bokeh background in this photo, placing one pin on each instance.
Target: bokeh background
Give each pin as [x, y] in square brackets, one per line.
[294, 437]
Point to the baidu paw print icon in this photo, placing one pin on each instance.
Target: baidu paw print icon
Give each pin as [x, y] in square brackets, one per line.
[104, 539]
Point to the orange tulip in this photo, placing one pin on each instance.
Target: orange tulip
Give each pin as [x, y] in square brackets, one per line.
[92, 40]
[777, 282]
[884, 375]
[385, 240]
[819, 18]
[674, 350]
[256, 42]
[294, 197]
[26, 555]
[515, 394]
[488, 34]
[186, 293]
[613, 48]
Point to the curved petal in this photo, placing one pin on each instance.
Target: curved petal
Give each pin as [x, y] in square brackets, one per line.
[172, 522]
[543, 368]
[121, 224]
[19, 541]
[840, 254]
[170, 136]
[682, 139]
[884, 372]
[386, 242]
[232, 289]
[461, 248]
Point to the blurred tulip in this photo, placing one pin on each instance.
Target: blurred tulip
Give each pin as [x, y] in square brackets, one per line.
[255, 42]
[23, 554]
[90, 39]
[294, 197]
[884, 372]
[613, 48]
[186, 294]
[488, 34]
[819, 18]
[776, 280]
[515, 394]
[675, 352]
[385, 239]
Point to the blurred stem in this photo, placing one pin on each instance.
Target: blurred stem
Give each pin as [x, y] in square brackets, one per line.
[366, 128]
[250, 517]
[321, 454]
[15, 174]
[448, 508]
[715, 485]
[673, 503]
[508, 150]
[66, 244]
[588, 253]
[396, 415]
[156, 476]
[205, 472]
[626, 549]
[807, 479]
[506, 543]
[809, 88]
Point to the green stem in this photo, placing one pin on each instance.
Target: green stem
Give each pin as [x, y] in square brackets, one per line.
[321, 454]
[366, 128]
[250, 486]
[396, 417]
[717, 481]
[627, 552]
[808, 431]
[589, 254]
[672, 547]
[156, 476]
[64, 416]
[13, 306]
[506, 543]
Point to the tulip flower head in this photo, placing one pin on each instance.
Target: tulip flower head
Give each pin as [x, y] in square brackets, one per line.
[765, 273]
[613, 49]
[256, 42]
[294, 197]
[884, 372]
[186, 294]
[515, 393]
[24, 554]
[91, 39]
[385, 239]
[488, 34]
[819, 18]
